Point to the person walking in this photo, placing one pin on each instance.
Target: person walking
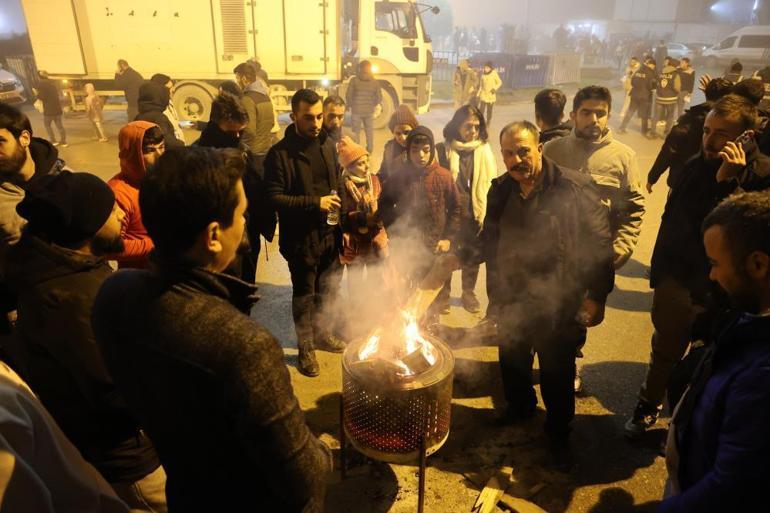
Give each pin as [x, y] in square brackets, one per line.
[49, 93]
[489, 84]
[129, 80]
[643, 83]
[94, 107]
[302, 180]
[364, 99]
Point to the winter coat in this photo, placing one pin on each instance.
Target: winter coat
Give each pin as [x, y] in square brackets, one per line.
[490, 83]
[55, 350]
[363, 95]
[612, 165]
[393, 157]
[484, 171]
[258, 134]
[363, 232]
[561, 130]
[682, 142]
[643, 83]
[289, 186]
[679, 251]
[721, 425]
[212, 390]
[464, 85]
[687, 79]
[669, 85]
[125, 185]
[733, 77]
[153, 101]
[549, 250]
[129, 81]
[49, 93]
[422, 201]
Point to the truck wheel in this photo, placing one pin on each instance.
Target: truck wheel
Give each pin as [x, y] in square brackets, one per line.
[388, 108]
[193, 102]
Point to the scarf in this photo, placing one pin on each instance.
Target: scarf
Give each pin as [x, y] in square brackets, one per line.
[484, 171]
[352, 182]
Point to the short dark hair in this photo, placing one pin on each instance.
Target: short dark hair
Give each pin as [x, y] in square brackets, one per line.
[160, 78]
[452, 129]
[717, 88]
[520, 126]
[685, 59]
[334, 100]
[246, 69]
[153, 135]
[649, 60]
[634, 58]
[736, 67]
[188, 189]
[745, 222]
[14, 120]
[229, 86]
[549, 105]
[735, 106]
[227, 107]
[592, 92]
[752, 89]
[304, 95]
[122, 62]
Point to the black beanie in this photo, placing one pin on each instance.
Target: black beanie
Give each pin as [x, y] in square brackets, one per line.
[422, 131]
[67, 208]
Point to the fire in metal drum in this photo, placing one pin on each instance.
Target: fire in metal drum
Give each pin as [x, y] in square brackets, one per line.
[385, 419]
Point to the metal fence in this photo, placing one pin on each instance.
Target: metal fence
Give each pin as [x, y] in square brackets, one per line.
[23, 66]
[444, 64]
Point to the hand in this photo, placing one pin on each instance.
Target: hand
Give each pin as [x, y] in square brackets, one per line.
[733, 160]
[649, 188]
[591, 313]
[704, 81]
[443, 246]
[329, 203]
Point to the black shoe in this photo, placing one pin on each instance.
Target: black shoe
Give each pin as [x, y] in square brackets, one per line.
[470, 302]
[561, 455]
[644, 417]
[307, 363]
[515, 415]
[330, 344]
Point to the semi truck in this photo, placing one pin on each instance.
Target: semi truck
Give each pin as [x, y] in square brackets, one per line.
[299, 43]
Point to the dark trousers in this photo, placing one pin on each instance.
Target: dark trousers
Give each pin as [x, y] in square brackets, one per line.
[642, 106]
[47, 120]
[664, 112]
[486, 111]
[249, 261]
[464, 246]
[314, 289]
[555, 349]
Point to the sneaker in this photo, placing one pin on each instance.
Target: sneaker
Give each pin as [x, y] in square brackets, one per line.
[330, 344]
[645, 416]
[578, 381]
[103, 139]
[470, 302]
[54, 143]
[64, 145]
[307, 363]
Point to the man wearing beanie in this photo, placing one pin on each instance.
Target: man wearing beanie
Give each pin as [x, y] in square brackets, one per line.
[57, 269]
[401, 123]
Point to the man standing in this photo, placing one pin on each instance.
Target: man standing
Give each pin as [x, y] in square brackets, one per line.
[49, 93]
[170, 112]
[687, 84]
[334, 117]
[718, 446]
[207, 383]
[548, 248]
[257, 136]
[154, 99]
[642, 86]
[633, 65]
[364, 98]
[666, 96]
[592, 150]
[56, 270]
[129, 80]
[301, 178]
[549, 115]
[679, 267]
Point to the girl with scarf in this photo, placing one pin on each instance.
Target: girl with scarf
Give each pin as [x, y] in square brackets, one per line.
[467, 154]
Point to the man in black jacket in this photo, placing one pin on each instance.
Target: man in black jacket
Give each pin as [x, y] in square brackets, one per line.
[643, 83]
[302, 177]
[56, 269]
[679, 267]
[49, 93]
[548, 248]
[129, 80]
[206, 382]
[153, 102]
[549, 115]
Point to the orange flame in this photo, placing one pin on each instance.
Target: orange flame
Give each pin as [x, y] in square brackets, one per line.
[395, 348]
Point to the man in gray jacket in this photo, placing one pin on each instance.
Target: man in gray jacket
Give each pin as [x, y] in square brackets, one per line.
[257, 135]
[363, 98]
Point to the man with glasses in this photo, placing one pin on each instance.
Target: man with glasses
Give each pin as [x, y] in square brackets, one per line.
[141, 144]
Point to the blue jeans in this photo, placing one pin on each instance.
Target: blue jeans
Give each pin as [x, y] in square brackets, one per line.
[368, 123]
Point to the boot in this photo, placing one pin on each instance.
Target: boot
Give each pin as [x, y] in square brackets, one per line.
[307, 363]
[330, 343]
[470, 302]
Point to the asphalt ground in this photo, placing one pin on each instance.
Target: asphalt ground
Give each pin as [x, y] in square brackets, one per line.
[610, 474]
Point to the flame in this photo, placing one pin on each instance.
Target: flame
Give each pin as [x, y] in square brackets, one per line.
[370, 349]
[396, 348]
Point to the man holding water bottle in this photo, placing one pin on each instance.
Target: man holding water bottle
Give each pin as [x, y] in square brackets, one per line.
[301, 178]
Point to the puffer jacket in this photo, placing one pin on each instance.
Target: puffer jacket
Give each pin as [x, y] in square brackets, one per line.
[363, 96]
[125, 185]
[153, 102]
[489, 84]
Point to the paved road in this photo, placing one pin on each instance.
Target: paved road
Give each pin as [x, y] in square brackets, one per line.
[610, 476]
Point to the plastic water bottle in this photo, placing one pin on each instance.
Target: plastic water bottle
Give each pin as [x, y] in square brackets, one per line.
[333, 216]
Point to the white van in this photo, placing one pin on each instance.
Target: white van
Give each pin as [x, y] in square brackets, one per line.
[750, 45]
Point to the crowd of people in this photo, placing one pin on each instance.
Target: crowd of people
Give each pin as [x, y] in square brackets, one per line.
[155, 391]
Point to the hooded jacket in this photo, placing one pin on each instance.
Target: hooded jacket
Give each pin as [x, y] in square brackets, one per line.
[55, 350]
[125, 185]
[153, 102]
[612, 165]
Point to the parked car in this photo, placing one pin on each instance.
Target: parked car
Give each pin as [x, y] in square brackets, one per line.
[678, 50]
[750, 45]
[11, 90]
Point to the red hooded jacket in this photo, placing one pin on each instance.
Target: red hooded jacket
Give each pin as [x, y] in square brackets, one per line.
[125, 185]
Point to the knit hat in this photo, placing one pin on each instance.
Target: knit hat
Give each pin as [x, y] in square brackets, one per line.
[402, 116]
[349, 151]
[67, 208]
[422, 131]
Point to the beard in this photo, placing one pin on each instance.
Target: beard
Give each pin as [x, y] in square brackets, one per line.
[101, 246]
[13, 164]
[592, 133]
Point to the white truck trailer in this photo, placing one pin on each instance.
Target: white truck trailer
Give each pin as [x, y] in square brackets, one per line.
[300, 43]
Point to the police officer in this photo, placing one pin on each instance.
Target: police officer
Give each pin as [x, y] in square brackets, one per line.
[642, 85]
[666, 95]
